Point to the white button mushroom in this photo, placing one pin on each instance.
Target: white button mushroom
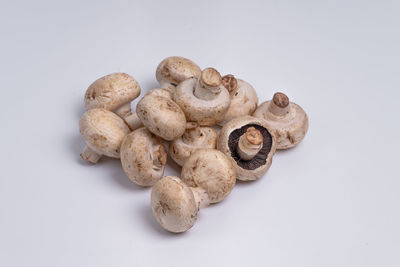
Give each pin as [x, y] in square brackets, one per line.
[287, 119]
[103, 132]
[204, 100]
[175, 205]
[244, 98]
[207, 177]
[192, 140]
[173, 70]
[115, 92]
[161, 115]
[143, 157]
[250, 144]
[211, 170]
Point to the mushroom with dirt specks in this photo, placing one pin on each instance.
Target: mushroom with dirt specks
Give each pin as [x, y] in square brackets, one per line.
[161, 115]
[204, 100]
[175, 205]
[103, 132]
[115, 92]
[192, 140]
[143, 157]
[250, 145]
[173, 70]
[244, 98]
[287, 119]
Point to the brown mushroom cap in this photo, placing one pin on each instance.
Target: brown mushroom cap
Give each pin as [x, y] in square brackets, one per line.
[173, 204]
[103, 131]
[228, 141]
[143, 157]
[287, 119]
[192, 140]
[203, 100]
[173, 70]
[211, 170]
[244, 98]
[161, 115]
[112, 91]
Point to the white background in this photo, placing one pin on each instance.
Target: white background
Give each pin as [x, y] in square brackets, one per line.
[332, 201]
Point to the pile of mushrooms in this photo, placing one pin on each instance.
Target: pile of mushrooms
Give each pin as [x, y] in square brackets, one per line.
[211, 126]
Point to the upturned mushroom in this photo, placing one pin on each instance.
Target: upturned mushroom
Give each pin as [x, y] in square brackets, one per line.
[192, 140]
[175, 205]
[161, 115]
[143, 157]
[115, 92]
[173, 70]
[287, 119]
[103, 132]
[204, 100]
[250, 145]
[211, 170]
[207, 177]
[244, 98]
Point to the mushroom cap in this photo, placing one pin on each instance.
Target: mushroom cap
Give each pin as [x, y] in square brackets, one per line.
[173, 204]
[161, 115]
[289, 129]
[174, 70]
[103, 131]
[112, 91]
[228, 140]
[205, 112]
[143, 157]
[211, 170]
[244, 101]
[180, 149]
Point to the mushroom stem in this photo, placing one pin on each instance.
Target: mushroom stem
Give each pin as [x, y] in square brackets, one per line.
[208, 86]
[201, 197]
[123, 110]
[279, 105]
[230, 83]
[133, 121]
[159, 157]
[90, 155]
[250, 144]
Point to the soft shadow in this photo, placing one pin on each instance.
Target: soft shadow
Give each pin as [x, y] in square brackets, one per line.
[146, 214]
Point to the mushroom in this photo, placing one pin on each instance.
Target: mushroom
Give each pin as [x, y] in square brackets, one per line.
[103, 132]
[192, 140]
[161, 115]
[173, 70]
[250, 144]
[115, 92]
[175, 205]
[211, 170]
[244, 98]
[287, 119]
[143, 157]
[204, 100]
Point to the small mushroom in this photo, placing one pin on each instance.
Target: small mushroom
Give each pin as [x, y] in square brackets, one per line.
[192, 140]
[173, 70]
[204, 100]
[143, 157]
[115, 92]
[250, 145]
[103, 132]
[175, 205]
[211, 170]
[161, 115]
[287, 119]
[244, 98]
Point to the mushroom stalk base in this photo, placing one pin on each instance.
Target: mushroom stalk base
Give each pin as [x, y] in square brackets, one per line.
[133, 121]
[247, 150]
[201, 197]
[90, 156]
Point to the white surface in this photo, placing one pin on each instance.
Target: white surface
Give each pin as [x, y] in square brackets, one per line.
[331, 201]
